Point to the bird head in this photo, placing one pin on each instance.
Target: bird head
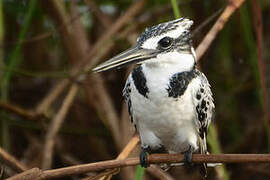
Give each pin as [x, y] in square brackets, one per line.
[155, 44]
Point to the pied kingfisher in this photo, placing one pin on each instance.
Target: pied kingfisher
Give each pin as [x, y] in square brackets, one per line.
[169, 101]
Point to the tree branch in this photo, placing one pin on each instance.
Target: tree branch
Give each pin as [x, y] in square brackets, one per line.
[152, 159]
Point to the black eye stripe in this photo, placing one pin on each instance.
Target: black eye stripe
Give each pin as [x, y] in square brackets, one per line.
[165, 42]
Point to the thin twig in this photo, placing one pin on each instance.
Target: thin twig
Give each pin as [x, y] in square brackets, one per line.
[205, 23]
[12, 161]
[152, 159]
[55, 126]
[28, 114]
[104, 175]
[46, 102]
[129, 147]
[224, 17]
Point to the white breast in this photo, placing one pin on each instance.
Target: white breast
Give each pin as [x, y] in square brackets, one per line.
[163, 120]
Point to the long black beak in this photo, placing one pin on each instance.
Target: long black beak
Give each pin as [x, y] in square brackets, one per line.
[132, 55]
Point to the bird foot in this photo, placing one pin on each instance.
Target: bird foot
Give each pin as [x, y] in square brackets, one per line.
[143, 158]
[188, 158]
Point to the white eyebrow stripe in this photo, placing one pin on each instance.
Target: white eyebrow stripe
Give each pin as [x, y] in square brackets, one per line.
[152, 42]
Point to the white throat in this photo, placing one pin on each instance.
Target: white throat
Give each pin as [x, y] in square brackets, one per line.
[173, 62]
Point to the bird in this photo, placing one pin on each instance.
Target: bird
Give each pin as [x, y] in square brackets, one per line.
[169, 100]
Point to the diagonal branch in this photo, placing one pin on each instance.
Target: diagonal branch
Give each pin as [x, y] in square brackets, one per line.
[46, 102]
[28, 114]
[11, 161]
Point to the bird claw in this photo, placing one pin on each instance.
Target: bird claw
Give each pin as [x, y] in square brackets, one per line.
[143, 158]
[188, 158]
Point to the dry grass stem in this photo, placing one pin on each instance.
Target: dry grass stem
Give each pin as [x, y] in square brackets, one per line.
[104, 175]
[12, 161]
[28, 114]
[46, 102]
[55, 126]
[129, 147]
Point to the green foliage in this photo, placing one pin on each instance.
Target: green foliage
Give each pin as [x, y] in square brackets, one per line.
[14, 57]
[176, 10]
[139, 173]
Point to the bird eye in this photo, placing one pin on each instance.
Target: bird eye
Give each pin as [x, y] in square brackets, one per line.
[165, 42]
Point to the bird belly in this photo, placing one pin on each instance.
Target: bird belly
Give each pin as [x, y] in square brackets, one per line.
[165, 121]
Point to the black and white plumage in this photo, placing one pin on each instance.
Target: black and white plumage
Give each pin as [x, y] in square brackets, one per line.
[169, 100]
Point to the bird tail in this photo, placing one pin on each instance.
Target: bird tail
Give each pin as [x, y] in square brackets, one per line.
[203, 150]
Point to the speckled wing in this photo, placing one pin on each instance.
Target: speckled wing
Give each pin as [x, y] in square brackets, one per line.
[126, 95]
[204, 105]
[205, 110]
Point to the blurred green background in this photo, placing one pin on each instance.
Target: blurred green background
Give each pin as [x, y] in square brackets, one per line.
[47, 45]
